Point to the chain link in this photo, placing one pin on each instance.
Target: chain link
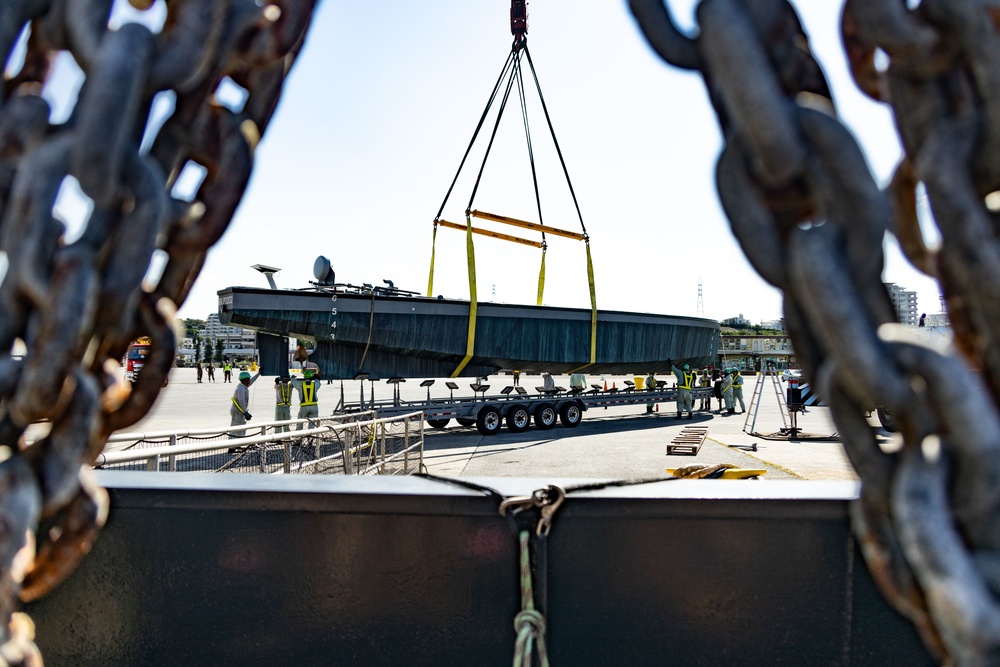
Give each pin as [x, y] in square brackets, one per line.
[811, 220]
[76, 305]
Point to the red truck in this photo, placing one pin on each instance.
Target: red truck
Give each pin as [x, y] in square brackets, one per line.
[135, 357]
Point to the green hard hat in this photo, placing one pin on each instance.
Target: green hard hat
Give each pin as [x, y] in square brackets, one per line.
[686, 367]
[307, 373]
[244, 376]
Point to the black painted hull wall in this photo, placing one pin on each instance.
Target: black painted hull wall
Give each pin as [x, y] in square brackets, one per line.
[197, 569]
[421, 337]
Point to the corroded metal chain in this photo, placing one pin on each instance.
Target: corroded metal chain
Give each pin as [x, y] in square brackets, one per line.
[75, 305]
[811, 219]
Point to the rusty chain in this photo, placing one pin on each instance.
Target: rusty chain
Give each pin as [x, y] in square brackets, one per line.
[811, 220]
[75, 305]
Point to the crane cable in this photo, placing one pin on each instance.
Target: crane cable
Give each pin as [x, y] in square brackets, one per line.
[461, 165]
[569, 183]
[534, 174]
[470, 251]
[512, 68]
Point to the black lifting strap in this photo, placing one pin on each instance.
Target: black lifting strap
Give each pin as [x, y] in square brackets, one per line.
[503, 74]
[555, 141]
[512, 68]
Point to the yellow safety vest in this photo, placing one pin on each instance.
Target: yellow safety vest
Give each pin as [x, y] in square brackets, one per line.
[308, 392]
[688, 380]
[286, 394]
[737, 382]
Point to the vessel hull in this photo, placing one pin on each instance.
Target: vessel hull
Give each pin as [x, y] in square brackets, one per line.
[409, 336]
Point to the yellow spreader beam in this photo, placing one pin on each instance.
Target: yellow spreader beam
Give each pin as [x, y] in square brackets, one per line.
[527, 225]
[492, 234]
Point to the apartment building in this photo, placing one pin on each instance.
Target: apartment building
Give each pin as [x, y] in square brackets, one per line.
[904, 302]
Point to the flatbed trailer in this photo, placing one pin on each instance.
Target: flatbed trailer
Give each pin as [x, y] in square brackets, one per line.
[517, 407]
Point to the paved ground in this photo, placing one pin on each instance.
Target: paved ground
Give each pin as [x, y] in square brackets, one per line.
[619, 443]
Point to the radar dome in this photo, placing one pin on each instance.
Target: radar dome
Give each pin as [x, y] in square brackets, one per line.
[322, 271]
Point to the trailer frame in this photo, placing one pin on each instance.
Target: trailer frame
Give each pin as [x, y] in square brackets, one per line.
[517, 407]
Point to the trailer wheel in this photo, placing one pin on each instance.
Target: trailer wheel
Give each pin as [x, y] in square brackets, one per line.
[570, 415]
[466, 421]
[518, 419]
[886, 420]
[545, 416]
[438, 423]
[488, 421]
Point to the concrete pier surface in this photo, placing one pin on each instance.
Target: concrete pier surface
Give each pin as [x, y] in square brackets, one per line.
[617, 443]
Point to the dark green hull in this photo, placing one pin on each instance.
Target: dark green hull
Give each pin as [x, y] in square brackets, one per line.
[409, 336]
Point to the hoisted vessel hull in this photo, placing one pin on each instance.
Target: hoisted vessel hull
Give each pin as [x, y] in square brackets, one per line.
[410, 336]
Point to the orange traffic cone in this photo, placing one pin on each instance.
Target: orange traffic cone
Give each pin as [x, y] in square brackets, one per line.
[613, 385]
[657, 407]
[605, 385]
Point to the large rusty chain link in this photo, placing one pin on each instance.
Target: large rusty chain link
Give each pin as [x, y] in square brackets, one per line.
[811, 219]
[76, 305]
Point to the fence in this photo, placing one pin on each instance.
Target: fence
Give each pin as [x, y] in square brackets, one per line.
[355, 444]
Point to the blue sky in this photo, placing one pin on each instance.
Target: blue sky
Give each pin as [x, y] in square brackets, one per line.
[380, 108]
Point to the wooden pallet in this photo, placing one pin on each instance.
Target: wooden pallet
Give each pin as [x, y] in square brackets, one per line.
[688, 441]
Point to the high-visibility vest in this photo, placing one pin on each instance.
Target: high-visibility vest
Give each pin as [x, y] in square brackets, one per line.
[286, 393]
[308, 392]
[737, 381]
[688, 380]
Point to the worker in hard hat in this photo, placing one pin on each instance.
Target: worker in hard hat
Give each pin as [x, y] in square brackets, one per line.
[685, 383]
[282, 402]
[239, 411]
[706, 400]
[308, 388]
[738, 390]
[727, 390]
[650, 386]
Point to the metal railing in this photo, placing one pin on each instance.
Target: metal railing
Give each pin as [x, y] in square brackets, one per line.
[340, 445]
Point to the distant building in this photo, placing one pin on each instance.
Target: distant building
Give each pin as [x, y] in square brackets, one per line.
[186, 349]
[938, 320]
[750, 353]
[236, 342]
[904, 302]
[737, 322]
[776, 325]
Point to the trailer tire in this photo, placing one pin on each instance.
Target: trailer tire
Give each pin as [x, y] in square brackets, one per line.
[886, 420]
[488, 421]
[570, 415]
[466, 421]
[518, 419]
[545, 417]
[438, 423]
